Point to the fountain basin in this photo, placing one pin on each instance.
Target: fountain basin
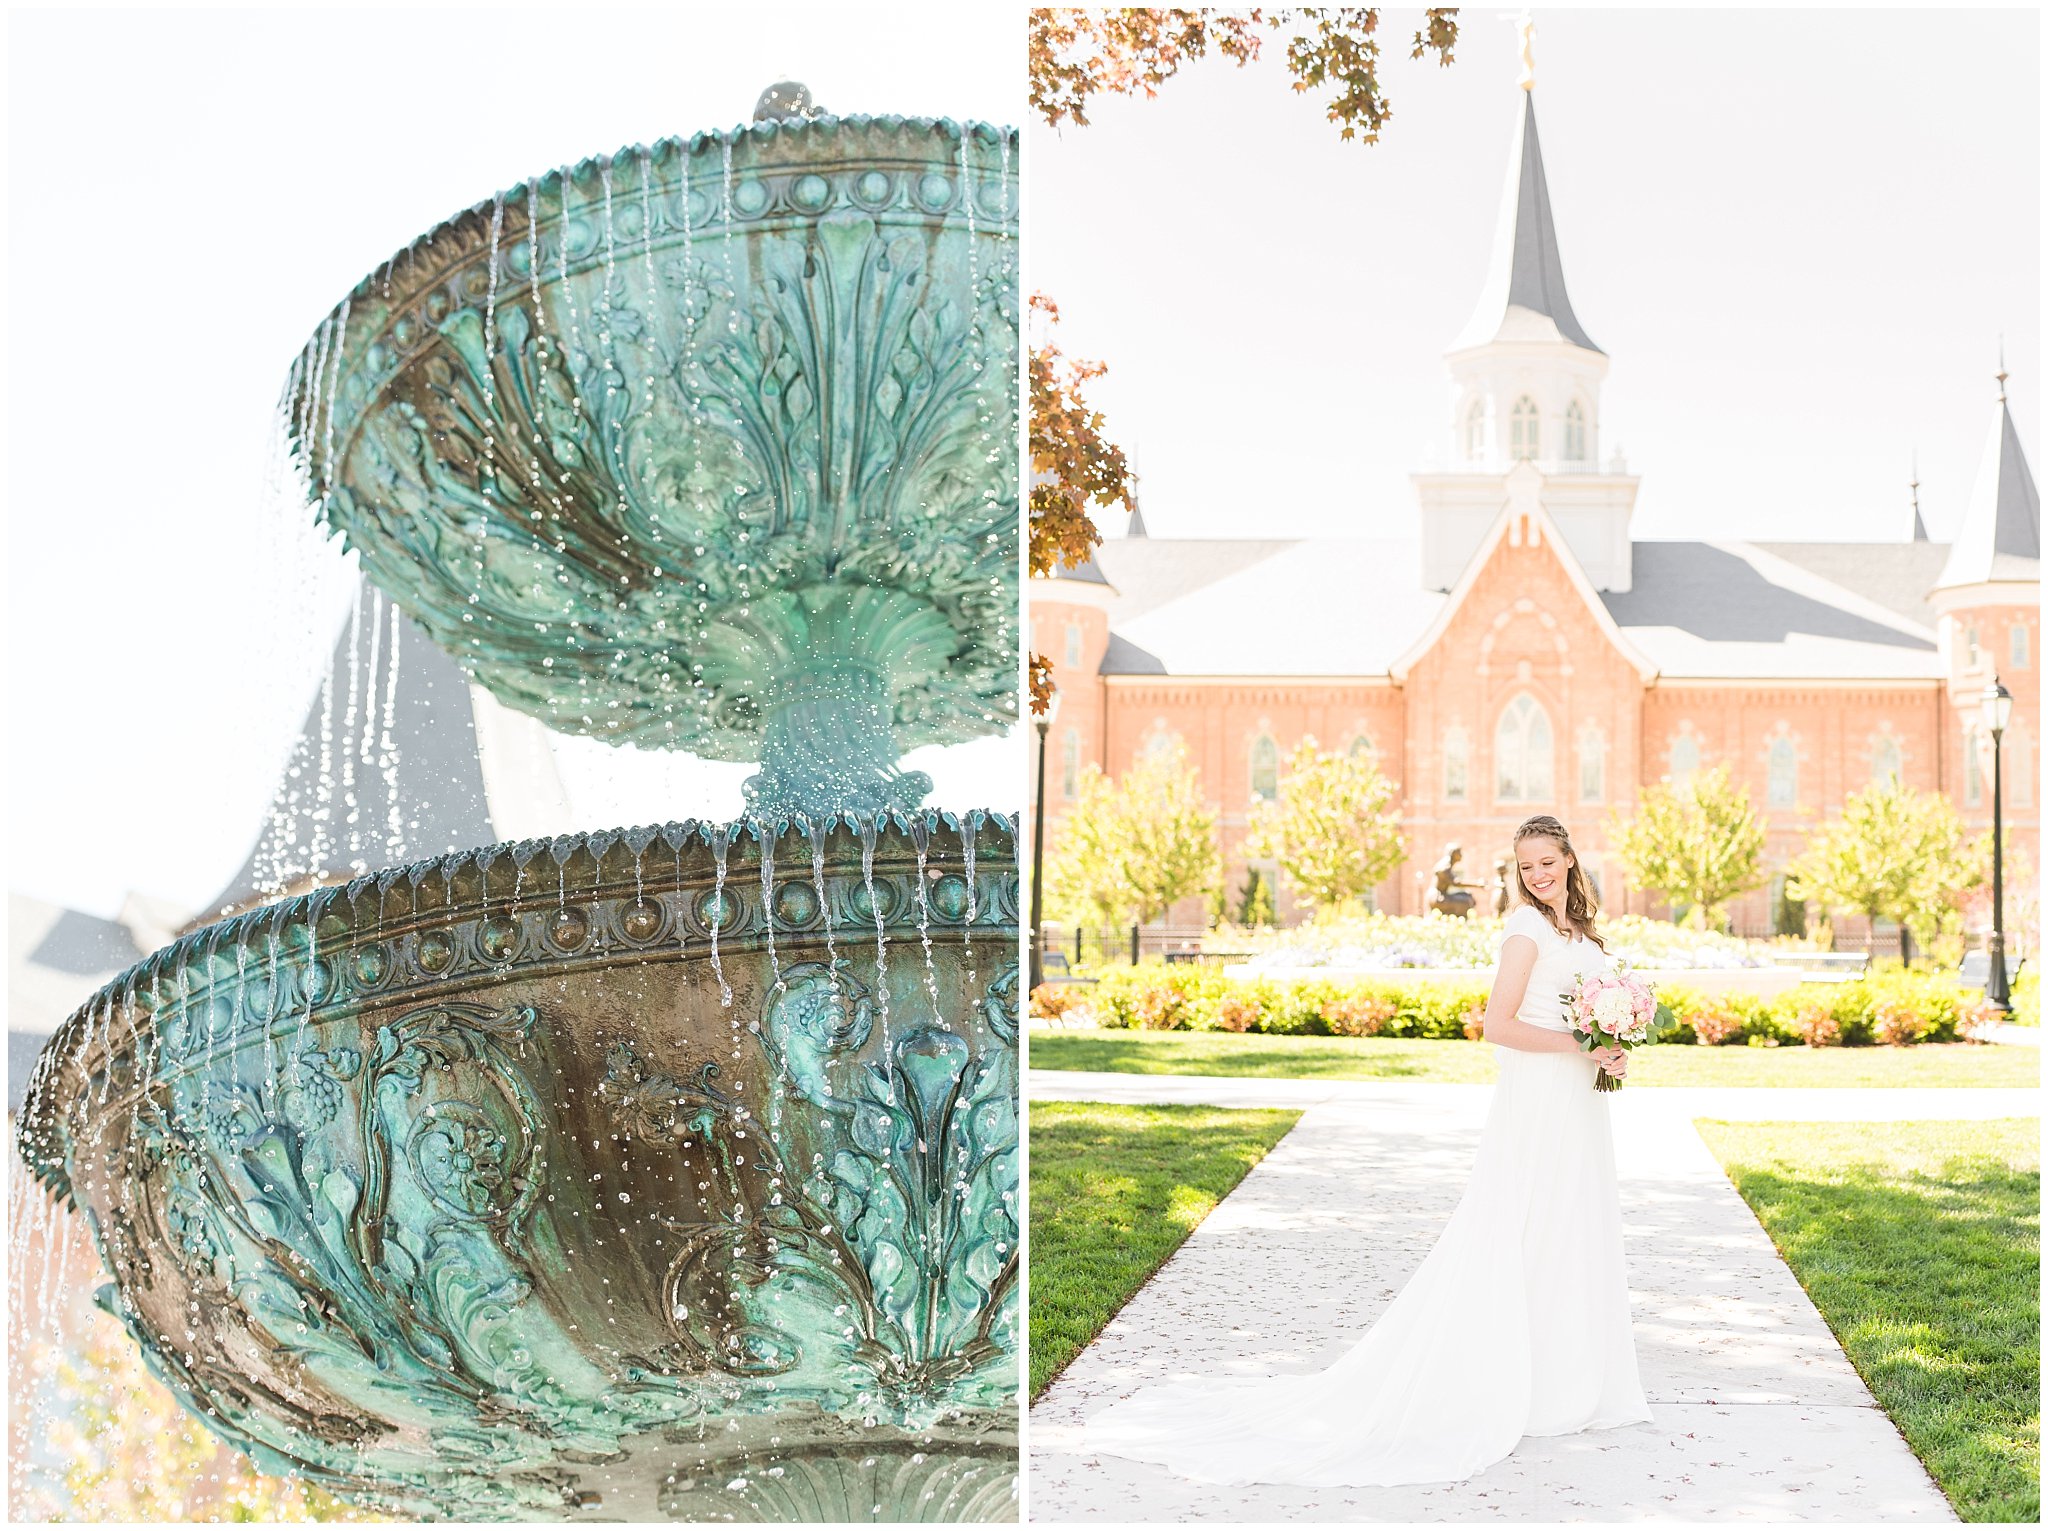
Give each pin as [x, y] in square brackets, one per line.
[609, 1176]
[648, 442]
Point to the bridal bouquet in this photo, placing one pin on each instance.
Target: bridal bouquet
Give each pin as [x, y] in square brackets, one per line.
[1610, 1010]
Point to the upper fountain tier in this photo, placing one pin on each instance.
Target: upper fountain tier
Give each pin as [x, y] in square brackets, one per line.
[707, 446]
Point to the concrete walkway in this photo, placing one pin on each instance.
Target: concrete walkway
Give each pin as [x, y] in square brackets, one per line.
[2010, 1035]
[1759, 1415]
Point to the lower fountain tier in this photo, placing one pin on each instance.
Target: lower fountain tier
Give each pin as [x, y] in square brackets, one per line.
[598, 1173]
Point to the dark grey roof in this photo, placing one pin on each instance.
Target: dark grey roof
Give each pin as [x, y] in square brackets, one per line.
[440, 781]
[1737, 610]
[1899, 576]
[1087, 572]
[1124, 657]
[23, 1047]
[1136, 528]
[2001, 532]
[85, 945]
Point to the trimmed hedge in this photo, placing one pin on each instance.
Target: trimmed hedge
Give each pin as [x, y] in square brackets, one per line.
[1890, 1006]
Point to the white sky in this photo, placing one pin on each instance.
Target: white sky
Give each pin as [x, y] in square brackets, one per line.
[1797, 235]
[188, 193]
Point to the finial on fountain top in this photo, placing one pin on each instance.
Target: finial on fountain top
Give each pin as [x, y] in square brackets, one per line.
[1526, 25]
[786, 98]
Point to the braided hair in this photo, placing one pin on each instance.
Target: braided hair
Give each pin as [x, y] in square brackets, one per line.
[1579, 903]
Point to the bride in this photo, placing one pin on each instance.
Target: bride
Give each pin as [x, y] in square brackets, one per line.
[1517, 1322]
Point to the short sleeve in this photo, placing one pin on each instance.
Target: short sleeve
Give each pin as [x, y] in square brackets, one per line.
[1523, 920]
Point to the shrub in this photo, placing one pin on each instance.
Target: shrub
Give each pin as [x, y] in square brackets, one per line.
[1238, 1012]
[1053, 1000]
[1358, 1015]
[1890, 1005]
[1715, 1021]
[2026, 998]
[1896, 1021]
[1817, 1025]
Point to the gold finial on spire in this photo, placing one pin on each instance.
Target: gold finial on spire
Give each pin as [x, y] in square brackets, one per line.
[1526, 25]
[2001, 369]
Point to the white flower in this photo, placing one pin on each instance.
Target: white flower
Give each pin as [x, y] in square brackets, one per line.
[1614, 1012]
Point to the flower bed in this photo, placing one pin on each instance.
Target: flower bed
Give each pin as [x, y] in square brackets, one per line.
[1437, 941]
[1889, 1007]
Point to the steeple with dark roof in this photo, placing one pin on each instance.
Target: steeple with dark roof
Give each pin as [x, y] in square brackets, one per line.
[1524, 297]
[2000, 539]
[1919, 526]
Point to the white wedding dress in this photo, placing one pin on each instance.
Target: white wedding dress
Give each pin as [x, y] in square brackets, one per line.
[1450, 1378]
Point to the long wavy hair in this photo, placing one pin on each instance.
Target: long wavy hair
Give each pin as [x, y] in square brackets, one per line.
[1580, 906]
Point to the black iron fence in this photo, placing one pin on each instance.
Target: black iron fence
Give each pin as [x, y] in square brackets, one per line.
[1065, 947]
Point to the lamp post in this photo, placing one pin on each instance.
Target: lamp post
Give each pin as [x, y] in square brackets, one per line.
[1043, 723]
[1997, 712]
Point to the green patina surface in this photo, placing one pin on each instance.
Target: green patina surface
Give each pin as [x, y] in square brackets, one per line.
[463, 1204]
[706, 446]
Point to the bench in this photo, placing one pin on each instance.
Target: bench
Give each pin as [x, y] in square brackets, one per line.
[1053, 968]
[1824, 967]
[1975, 973]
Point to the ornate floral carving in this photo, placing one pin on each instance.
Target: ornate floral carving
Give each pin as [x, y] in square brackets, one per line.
[704, 459]
[358, 1231]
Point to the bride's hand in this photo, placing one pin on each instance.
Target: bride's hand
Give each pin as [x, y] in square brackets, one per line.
[1612, 1060]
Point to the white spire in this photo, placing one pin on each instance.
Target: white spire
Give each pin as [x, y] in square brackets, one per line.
[2000, 539]
[1524, 296]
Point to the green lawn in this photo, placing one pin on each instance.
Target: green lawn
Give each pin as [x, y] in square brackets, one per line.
[1115, 1190]
[1920, 1244]
[1257, 1056]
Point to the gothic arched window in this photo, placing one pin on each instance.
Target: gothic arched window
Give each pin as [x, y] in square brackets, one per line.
[1160, 743]
[1265, 768]
[1361, 746]
[1475, 431]
[1685, 759]
[2018, 770]
[1782, 788]
[1973, 765]
[2019, 651]
[1070, 765]
[1074, 636]
[1522, 753]
[1884, 760]
[1575, 433]
[1457, 764]
[1523, 434]
[1592, 764]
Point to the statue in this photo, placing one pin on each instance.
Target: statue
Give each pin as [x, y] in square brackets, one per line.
[1503, 889]
[1453, 897]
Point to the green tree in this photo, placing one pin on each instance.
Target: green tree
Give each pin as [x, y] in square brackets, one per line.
[1132, 848]
[1700, 844]
[1075, 55]
[1332, 829]
[1255, 901]
[1894, 854]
